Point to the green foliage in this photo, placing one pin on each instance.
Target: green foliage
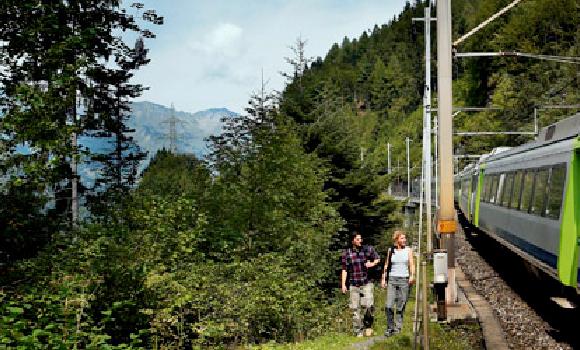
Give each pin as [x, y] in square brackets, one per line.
[242, 248]
[65, 72]
[252, 301]
[172, 175]
[90, 290]
[269, 193]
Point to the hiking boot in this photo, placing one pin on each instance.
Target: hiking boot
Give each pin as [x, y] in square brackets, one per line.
[359, 334]
[389, 332]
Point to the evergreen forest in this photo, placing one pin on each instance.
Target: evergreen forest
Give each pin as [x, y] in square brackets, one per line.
[241, 247]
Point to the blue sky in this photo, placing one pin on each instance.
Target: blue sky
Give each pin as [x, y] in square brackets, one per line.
[210, 54]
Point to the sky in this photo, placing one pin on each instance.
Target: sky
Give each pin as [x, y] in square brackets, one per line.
[210, 54]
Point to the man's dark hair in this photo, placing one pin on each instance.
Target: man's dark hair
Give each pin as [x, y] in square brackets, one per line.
[353, 234]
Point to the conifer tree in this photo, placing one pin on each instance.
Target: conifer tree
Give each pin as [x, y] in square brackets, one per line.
[61, 61]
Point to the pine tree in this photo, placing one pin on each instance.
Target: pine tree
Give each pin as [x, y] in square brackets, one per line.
[59, 61]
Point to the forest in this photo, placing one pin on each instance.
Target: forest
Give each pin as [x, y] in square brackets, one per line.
[241, 247]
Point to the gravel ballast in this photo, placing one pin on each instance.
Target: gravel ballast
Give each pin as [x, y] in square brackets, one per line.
[523, 327]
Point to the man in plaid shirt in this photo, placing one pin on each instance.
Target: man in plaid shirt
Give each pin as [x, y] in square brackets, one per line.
[355, 264]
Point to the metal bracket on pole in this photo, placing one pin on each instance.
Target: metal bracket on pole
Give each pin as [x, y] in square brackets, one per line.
[561, 59]
[473, 156]
[470, 109]
[479, 133]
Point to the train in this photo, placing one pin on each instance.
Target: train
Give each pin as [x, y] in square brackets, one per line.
[528, 198]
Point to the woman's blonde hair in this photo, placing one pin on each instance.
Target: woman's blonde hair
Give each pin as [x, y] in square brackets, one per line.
[397, 234]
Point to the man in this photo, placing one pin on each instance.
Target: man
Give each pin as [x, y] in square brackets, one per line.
[355, 264]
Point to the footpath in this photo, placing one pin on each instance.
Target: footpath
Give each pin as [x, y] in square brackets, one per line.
[472, 308]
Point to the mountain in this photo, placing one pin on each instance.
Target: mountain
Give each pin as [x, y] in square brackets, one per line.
[152, 130]
[149, 120]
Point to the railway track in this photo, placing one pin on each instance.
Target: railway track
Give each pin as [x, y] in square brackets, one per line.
[521, 295]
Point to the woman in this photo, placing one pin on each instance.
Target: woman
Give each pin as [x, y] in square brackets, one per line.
[398, 274]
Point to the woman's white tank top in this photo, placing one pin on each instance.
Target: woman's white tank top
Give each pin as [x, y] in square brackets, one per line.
[400, 263]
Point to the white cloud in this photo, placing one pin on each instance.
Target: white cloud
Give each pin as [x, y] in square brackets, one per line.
[222, 40]
[211, 54]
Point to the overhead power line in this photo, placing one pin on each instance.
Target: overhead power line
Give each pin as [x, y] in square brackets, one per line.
[478, 133]
[486, 22]
[561, 59]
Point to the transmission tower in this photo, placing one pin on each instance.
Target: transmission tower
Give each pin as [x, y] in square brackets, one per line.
[172, 135]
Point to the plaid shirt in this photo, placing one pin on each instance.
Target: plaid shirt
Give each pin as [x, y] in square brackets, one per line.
[353, 262]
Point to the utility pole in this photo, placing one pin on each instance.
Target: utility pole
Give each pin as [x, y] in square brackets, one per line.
[427, 126]
[407, 140]
[74, 169]
[74, 180]
[446, 224]
[389, 170]
[173, 121]
[435, 137]
[427, 171]
[427, 123]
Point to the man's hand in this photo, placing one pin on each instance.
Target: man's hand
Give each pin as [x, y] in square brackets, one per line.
[369, 264]
[344, 289]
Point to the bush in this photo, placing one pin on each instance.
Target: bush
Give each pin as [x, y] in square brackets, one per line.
[240, 302]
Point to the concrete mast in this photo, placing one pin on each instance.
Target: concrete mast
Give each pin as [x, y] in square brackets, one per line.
[446, 224]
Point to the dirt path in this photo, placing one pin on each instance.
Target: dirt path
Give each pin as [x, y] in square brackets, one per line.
[366, 345]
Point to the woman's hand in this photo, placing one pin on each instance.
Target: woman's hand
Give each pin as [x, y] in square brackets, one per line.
[412, 279]
[383, 284]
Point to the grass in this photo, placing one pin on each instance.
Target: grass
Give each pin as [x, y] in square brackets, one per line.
[442, 337]
[326, 342]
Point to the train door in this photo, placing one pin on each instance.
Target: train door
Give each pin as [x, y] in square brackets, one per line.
[479, 188]
[472, 193]
[570, 226]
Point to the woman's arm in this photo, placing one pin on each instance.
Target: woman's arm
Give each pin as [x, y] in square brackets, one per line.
[411, 266]
[384, 275]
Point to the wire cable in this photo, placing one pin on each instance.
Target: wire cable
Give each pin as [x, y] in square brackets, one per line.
[486, 22]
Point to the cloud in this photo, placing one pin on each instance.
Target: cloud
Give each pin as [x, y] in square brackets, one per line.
[224, 39]
[211, 53]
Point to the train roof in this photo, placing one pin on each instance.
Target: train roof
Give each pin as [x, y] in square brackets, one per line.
[562, 130]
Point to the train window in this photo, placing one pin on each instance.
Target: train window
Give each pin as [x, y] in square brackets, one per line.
[490, 190]
[556, 191]
[517, 190]
[493, 190]
[540, 186]
[467, 187]
[527, 187]
[485, 190]
[507, 191]
[474, 182]
[500, 186]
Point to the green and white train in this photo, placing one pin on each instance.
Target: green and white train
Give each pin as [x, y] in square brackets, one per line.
[528, 198]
